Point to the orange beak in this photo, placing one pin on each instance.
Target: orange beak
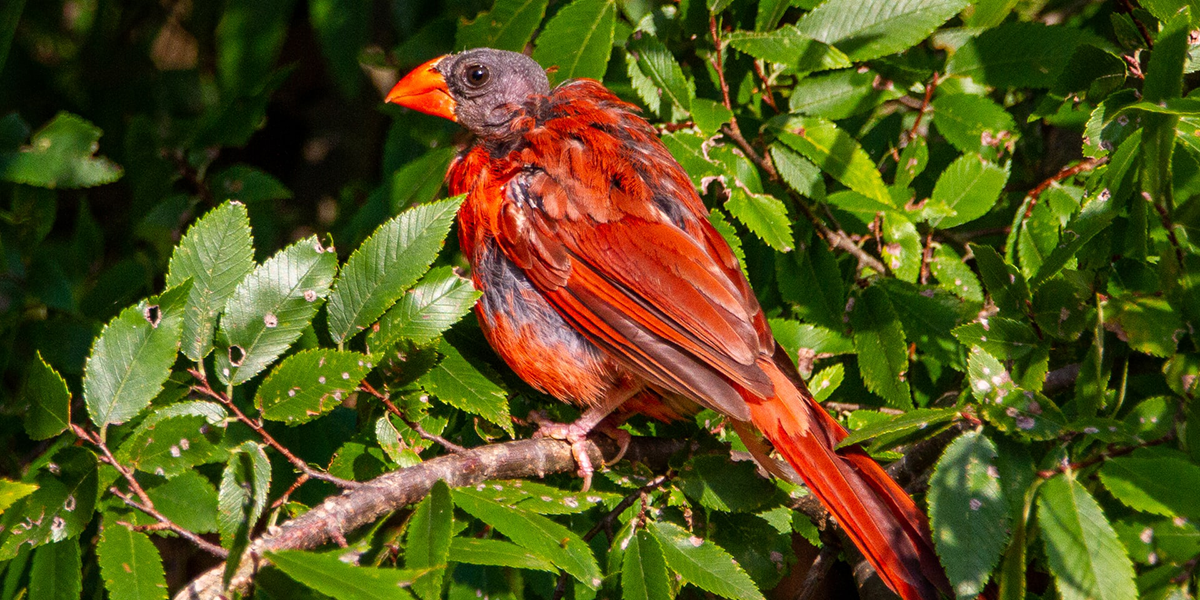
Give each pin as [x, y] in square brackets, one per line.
[424, 90]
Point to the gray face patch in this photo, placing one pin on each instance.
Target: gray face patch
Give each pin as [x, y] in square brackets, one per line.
[488, 84]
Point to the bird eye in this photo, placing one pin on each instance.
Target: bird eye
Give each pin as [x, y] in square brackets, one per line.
[476, 75]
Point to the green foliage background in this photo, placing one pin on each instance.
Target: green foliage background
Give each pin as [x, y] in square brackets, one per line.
[226, 262]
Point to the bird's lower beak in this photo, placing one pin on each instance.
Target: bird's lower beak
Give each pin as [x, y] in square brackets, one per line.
[424, 89]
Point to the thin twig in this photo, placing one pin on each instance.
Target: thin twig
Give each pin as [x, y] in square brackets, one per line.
[767, 96]
[921, 110]
[1084, 165]
[1165, 218]
[395, 410]
[298, 463]
[166, 523]
[1104, 455]
[1141, 26]
[818, 570]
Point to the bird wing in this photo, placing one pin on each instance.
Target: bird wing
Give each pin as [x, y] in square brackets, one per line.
[608, 227]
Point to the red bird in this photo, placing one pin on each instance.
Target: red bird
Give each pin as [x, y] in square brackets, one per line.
[605, 286]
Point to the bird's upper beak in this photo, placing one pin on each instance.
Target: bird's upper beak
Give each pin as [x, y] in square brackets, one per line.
[424, 89]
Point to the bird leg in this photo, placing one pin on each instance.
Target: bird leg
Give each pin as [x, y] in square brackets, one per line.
[576, 433]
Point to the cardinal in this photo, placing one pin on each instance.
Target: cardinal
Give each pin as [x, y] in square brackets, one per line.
[604, 285]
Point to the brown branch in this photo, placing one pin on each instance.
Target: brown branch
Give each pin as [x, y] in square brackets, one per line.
[297, 463]
[818, 570]
[1086, 164]
[924, 108]
[395, 410]
[767, 96]
[1128, 6]
[1108, 453]
[165, 523]
[362, 505]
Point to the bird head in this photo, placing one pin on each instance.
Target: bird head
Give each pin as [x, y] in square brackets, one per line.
[477, 88]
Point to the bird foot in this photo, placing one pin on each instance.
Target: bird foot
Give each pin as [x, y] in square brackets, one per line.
[574, 433]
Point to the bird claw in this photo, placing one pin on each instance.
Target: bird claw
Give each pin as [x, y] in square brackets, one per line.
[575, 434]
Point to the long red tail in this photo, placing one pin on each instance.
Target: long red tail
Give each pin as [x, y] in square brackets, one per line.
[877, 515]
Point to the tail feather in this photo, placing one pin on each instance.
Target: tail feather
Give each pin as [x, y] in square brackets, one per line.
[878, 516]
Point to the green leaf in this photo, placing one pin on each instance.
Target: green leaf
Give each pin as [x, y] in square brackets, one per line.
[508, 26]
[435, 303]
[458, 383]
[248, 40]
[793, 336]
[1084, 554]
[881, 348]
[867, 29]
[57, 572]
[723, 227]
[578, 40]
[954, 275]
[838, 154]
[720, 484]
[1148, 323]
[247, 185]
[789, 47]
[1166, 486]
[542, 499]
[825, 382]
[242, 495]
[643, 570]
[901, 425]
[189, 500]
[1164, 74]
[703, 563]
[216, 254]
[986, 14]
[271, 307]
[967, 190]
[385, 265]
[129, 563]
[11, 491]
[824, 304]
[913, 160]
[535, 533]
[764, 215]
[1000, 336]
[428, 540]
[60, 155]
[420, 180]
[342, 27]
[49, 400]
[709, 115]
[9, 16]
[326, 573]
[770, 12]
[968, 512]
[310, 383]
[798, 172]
[1004, 282]
[172, 440]
[496, 553]
[840, 94]
[903, 251]
[60, 508]
[1016, 54]
[669, 94]
[132, 357]
[974, 124]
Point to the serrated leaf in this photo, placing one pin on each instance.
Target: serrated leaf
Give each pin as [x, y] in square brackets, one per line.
[1164, 486]
[874, 28]
[1084, 554]
[967, 190]
[428, 540]
[709, 115]
[913, 420]
[216, 253]
[880, 345]
[789, 47]
[11, 491]
[435, 303]
[1002, 337]
[57, 572]
[542, 499]
[968, 512]
[326, 573]
[132, 357]
[794, 336]
[838, 154]
[189, 500]
[643, 570]
[578, 40]
[974, 124]
[720, 484]
[928, 316]
[174, 439]
[798, 172]
[49, 400]
[990, 381]
[902, 251]
[703, 563]
[419, 181]
[688, 149]
[1003, 281]
[824, 304]
[60, 508]
[60, 155]
[1093, 218]
[271, 307]
[840, 94]
[764, 215]
[311, 383]
[496, 553]
[954, 275]
[129, 563]
[826, 381]
[670, 93]
[1016, 54]
[535, 533]
[509, 25]
[386, 264]
[242, 495]
[458, 383]
[723, 227]
[1150, 324]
